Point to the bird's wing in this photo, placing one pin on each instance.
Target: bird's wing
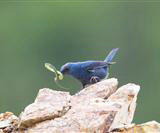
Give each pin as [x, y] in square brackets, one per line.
[91, 66]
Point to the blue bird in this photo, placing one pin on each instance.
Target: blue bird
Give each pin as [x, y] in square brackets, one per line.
[89, 72]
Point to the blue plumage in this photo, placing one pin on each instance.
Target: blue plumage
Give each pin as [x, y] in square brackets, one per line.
[89, 72]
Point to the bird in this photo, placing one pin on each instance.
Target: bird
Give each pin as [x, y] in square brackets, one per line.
[91, 71]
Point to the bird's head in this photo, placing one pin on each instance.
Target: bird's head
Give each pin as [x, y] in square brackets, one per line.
[65, 69]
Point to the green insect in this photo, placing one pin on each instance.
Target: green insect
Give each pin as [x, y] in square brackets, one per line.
[58, 74]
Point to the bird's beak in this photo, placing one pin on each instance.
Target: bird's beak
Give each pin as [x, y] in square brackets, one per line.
[63, 71]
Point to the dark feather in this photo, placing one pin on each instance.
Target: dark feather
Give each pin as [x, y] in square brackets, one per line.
[91, 66]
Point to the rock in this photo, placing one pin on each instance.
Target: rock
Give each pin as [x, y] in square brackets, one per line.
[48, 105]
[97, 108]
[124, 98]
[149, 127]
[8, 122]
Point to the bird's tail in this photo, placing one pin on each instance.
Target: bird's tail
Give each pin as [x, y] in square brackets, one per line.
[110, 56]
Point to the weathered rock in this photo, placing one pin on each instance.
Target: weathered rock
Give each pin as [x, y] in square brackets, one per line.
[92, 112]
[99, 108]
[125, 99]
[8, 122]
[149, 127]
[101, 90]
[48, 105]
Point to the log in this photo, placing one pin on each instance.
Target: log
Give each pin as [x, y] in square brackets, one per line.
[98, 108]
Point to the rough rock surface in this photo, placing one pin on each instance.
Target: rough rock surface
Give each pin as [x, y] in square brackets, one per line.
[149, 127]
[99, 108]
[96, 109]
[8, 122]
[48, 105]
[124, 98]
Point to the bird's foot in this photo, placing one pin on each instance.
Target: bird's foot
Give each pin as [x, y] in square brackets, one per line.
[94, 79]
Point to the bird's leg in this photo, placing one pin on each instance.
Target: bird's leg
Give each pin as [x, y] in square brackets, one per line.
[83, 86]
[94, 79]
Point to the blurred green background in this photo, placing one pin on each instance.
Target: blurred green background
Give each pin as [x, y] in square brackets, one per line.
[35, 32]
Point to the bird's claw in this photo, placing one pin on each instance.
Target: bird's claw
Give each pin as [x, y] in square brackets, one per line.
[94, 79]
